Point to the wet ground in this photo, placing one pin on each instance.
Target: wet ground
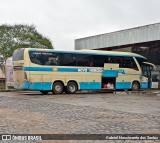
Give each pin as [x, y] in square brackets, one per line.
[83, 113]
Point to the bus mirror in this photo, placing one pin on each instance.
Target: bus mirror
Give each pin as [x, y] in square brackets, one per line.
[153, 68]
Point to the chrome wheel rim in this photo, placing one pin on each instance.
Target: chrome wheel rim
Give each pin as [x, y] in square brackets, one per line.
[135, 86]
[58, 88]
[72, 88]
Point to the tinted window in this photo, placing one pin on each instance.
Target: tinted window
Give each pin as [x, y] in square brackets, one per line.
[117, 60]
[44, 58]
[67, 59]
[84, 60]
[129, 63]
[141, 60]
[98, 61]
[18, 55]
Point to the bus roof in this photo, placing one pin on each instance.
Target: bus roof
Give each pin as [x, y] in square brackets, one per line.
[95, 52]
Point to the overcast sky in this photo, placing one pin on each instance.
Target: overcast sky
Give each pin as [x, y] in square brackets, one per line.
[63, 21]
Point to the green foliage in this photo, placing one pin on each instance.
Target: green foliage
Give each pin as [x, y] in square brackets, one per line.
[21, 36]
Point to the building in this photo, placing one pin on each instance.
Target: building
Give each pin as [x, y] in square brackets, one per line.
[143, 40]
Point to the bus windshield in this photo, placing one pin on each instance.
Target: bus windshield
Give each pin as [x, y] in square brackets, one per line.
[141, 61]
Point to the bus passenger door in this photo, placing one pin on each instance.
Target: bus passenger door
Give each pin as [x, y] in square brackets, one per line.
[146, 76]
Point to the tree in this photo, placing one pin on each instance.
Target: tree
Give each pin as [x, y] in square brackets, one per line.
[20, 36]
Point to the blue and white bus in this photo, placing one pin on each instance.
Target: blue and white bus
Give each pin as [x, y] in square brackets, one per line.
[69, 71]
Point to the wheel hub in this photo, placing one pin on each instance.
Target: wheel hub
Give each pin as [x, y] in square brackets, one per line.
[58, 87]
[135, 86]
[72, 88]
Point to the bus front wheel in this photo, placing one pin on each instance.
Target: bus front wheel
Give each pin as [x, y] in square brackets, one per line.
[57, 88]
[135, 86]
[71, 88]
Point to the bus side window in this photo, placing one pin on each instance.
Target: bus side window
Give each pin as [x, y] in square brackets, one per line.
[67, 59]
[52, 61]
[117, 60]
[84, 60]
[128, 62]
[34, 58]
[36, 61]
[110, 60]
[98, 61]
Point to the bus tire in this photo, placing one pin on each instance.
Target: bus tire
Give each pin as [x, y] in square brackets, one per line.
[44, 92]
[57, 88]
[71, 88]
[135, 86]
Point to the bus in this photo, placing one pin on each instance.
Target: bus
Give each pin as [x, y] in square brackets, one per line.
[9, 73]
[47, 70]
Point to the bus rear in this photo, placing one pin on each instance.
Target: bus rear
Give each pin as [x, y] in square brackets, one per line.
[19, 75]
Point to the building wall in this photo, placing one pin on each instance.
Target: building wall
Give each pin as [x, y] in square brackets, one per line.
[128, 49]
[124, 37]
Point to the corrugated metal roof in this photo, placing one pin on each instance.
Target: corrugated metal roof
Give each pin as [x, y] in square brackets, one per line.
[141, 34]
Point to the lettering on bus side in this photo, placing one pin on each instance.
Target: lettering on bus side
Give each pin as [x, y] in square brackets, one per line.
[90, 70]
[82, 70]
[95, 70]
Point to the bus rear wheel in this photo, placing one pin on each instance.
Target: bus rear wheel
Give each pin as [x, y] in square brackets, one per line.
[71, 88]
[44, 92]
[57, 88]
[135, 86]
